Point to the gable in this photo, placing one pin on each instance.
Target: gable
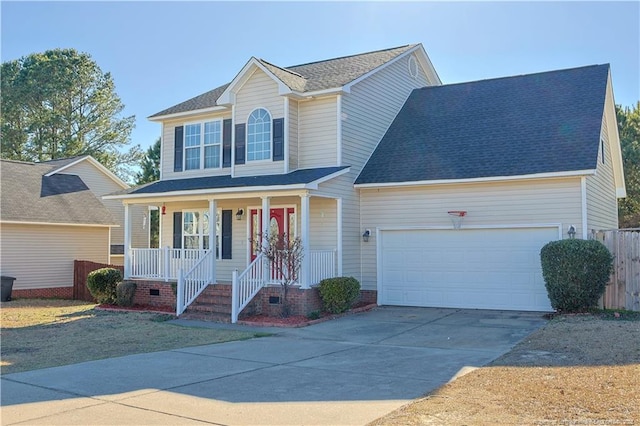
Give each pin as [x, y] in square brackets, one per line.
[537, 124]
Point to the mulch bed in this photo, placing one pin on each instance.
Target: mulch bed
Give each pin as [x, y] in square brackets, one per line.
[299, 320]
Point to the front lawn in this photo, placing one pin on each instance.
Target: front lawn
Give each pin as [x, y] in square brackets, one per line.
[40, 333]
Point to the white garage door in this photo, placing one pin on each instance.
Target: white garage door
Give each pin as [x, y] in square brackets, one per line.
[466, 268]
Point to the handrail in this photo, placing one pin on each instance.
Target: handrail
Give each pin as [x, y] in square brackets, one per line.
[246, 285]
[191, 284]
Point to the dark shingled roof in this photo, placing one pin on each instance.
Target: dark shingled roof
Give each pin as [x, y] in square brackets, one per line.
[218, 182]
[537, 123]
[328, 74]
[27, 195]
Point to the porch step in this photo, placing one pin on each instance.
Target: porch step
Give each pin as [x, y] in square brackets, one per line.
[213, 304]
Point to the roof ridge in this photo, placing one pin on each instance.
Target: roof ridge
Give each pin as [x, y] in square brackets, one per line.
[64, 159]
[351, 56]
[9, 160]
[514, 76]
[282, 68]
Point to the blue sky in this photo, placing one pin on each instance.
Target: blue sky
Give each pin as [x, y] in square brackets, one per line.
[162, 53]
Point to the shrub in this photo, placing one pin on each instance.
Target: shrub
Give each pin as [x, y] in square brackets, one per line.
[575, 273]
[102, 284]
[338, 294]
[125, 292]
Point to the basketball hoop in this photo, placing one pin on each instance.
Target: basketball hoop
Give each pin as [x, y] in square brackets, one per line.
[456, 217]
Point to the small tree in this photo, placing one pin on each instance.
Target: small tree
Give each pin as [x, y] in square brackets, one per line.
[285, 259]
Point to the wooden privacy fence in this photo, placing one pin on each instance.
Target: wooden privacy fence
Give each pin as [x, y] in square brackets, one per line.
[623, 288]
[81, 269]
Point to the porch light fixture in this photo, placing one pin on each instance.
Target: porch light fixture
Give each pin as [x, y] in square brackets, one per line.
[239, 214]
[366, 235]
[572, 232]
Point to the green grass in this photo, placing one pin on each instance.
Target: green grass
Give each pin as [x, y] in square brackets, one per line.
[40, 333]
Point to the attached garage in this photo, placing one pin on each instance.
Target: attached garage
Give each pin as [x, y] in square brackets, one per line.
[482, 268]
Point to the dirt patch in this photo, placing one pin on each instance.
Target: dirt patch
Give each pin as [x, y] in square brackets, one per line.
[580, 369]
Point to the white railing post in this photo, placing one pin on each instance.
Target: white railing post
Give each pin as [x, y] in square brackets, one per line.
[167, 262]
[305, 267]
[234, 296]
[180, 293]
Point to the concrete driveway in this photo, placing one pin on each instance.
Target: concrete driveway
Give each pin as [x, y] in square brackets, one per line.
[346, 371]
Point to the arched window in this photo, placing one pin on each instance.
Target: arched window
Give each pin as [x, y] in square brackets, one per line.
[259, 135]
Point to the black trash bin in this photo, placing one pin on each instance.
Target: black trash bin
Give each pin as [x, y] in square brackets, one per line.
[7, 286]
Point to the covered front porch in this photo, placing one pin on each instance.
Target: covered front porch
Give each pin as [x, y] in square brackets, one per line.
[195, 250]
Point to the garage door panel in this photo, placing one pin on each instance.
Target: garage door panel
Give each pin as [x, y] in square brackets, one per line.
[472, 268]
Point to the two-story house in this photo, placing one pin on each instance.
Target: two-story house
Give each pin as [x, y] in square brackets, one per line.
[368, 159]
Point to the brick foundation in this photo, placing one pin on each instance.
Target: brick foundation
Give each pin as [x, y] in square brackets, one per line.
[368, 296]
[43, 293]
[301, 301]
[165, 296]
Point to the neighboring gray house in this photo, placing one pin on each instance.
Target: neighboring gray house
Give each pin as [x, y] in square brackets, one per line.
[363, 157]
[52, 214]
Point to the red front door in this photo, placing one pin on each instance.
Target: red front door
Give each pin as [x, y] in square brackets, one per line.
[279, 223]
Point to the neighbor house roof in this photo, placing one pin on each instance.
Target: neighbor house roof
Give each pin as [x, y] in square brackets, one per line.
[532, 124]
[235, 184]
[314, 76]
[28, 195]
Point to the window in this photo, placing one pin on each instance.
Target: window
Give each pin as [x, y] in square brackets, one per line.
[259, 135]
[202, 145]
[195, 231]
[602, 152]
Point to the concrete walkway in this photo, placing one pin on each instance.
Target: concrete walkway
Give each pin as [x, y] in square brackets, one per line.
[346, 371]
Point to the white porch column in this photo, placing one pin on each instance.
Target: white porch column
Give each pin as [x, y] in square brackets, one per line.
[305, 270]
[212, 237]
[264, 230]
[127, 243]
[339, 236]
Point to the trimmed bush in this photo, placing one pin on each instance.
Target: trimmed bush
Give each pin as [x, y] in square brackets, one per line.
[102, 284]
[575, 273]
[125, 292]
[338, 294]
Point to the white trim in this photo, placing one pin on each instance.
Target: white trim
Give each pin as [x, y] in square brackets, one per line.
[317, 93]
[339, 235]
[583, 205]
[488, 226]
[418, 47]
[202, 145]
[285, 130]
[304, 237]
[188, 113]
[127, 242]
[241, 189]
[233, 140]
[92, 225]
[473, 180]
[339, 130]
[97, 164]
[246, 137]
[228, 96]
[213, 213]
[162, 149]
[614, 140]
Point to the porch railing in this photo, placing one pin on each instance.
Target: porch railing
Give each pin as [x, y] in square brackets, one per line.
[246, 285]
[191, 284]
[163, 263]
[322, 264]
